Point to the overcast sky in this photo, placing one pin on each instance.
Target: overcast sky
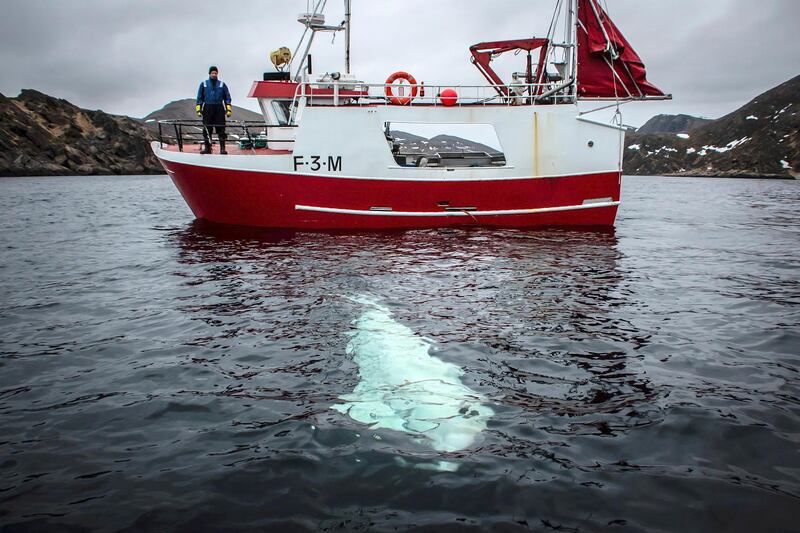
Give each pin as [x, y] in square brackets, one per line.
[132, 57]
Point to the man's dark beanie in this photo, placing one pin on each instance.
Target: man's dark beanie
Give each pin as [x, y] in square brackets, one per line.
[212, 69]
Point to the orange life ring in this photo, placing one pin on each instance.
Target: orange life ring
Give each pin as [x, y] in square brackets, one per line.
[401, 100]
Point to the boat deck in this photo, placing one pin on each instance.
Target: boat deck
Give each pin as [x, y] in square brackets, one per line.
[233, 149]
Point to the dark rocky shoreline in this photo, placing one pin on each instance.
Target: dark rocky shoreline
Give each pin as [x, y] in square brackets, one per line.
[45, 136]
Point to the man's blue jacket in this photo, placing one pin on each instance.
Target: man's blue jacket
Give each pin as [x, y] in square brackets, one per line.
[213, 92]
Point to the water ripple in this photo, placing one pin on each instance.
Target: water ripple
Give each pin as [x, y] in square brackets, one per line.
[158, 374]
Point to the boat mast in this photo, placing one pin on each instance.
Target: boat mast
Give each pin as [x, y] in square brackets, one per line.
[572, 39]
[347, 18]
[315, 21]
[307, 20]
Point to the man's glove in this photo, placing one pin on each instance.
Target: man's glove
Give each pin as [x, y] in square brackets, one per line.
[229, 113]
[197, 110]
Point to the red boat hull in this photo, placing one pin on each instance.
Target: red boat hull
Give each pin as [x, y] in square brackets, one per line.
[285, 200]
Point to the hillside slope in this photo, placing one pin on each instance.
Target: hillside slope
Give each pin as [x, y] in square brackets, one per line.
[760, 139]
[410, 143]
[41, 135]
[184, 110]
[672, 124]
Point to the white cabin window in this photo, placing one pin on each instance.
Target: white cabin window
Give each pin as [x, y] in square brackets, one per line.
[282, 111]
[444, 145]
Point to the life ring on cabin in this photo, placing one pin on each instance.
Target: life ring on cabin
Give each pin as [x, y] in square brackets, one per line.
[401, 100]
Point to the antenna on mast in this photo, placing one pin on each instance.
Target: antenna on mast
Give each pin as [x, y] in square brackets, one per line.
[347, 18]
[315, 21]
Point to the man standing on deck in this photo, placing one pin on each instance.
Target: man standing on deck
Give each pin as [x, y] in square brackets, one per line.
[213, 104]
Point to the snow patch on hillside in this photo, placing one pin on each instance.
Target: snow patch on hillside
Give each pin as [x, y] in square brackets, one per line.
[722, 149]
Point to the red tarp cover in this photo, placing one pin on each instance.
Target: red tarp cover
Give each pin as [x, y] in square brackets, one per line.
[596, 78]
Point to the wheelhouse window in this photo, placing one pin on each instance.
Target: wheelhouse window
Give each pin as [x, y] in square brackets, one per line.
[282, 111]
[444, 145]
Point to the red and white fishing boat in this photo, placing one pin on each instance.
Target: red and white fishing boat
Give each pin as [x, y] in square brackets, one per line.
[328, 155]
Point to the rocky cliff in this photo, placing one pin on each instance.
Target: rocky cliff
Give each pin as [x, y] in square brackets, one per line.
[761, 139]
[42, 135]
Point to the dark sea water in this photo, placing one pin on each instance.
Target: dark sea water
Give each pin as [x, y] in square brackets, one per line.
[159, 374]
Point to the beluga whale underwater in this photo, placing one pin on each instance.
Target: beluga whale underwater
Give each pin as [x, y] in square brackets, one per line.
[402, 387]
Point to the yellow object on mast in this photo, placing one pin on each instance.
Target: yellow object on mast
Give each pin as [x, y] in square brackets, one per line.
[281, 58]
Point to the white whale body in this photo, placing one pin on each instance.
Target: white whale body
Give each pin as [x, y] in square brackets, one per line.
[403, 388]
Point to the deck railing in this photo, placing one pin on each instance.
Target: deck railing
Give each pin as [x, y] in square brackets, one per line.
[249, 134]
[348, 93]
